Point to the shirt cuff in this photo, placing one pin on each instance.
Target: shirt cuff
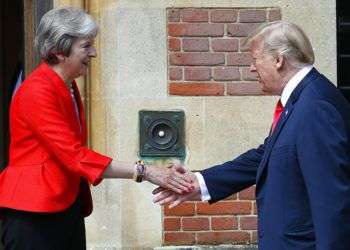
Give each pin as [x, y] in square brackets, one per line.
[205, 196]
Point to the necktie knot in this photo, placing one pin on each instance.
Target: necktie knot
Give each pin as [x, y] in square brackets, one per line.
[277, 114]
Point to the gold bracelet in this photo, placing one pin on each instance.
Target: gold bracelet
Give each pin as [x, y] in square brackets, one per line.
[140, 171]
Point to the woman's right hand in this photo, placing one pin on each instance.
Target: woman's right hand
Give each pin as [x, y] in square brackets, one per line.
[175, 178]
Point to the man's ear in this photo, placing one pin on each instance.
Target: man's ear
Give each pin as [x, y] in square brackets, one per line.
[279, 61]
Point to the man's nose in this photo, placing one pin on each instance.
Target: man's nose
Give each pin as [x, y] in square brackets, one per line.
[252, 67]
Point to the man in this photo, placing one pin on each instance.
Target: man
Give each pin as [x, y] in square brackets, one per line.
[302, 170]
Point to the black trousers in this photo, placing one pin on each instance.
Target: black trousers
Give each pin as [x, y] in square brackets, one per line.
[44, 231]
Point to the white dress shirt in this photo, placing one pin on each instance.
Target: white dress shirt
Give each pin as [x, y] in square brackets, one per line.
[287, 91]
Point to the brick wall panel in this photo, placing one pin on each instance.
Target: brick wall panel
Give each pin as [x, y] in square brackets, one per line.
[195, 29]
[197, 73]
[248, 223]
[195, 44]
[179, 238]
[224, 223]
[173, 15]
[196, 89]
[223, 16]
[184, 209]
[252, 16]
[247, 75]
[197, 59]
[172, 224]
[241, 29]
[239, 59]
[175, 73]
[247, 194]
[226, 73]
[194, 15]
[174, 44]
[223, 237]
[195, 224]
[224, 208]
[223, 44]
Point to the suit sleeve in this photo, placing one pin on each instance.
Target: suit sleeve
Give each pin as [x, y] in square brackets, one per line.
[41, 112]
[233, 176]
[323, 154]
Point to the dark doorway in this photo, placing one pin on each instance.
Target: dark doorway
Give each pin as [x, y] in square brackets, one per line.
[11, 63]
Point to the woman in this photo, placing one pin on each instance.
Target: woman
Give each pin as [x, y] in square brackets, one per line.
[44, 192]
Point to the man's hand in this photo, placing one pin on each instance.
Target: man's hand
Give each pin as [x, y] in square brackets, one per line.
[163, 196]
[174, 178]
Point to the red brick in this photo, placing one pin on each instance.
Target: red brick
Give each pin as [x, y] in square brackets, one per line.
[252, 16]
[172, 224]
[223, 16]
[254, 237]
[194, 15]
[247, 194]
[195, 224]
[254, 208]
[231, 197]
[248, 75]
[173, 15]
[239, 59]
[197, 73]
[244, 88]
[221, 44]
[175, 73]
[224, 223]
[197, 59]
[241, 29]
[179, 238]
[248, 223]
[243, 46]
[183, 209]
[196, 89]
[195, 44]
[174, 44]
[195, 29]
[273, 15]
[226, 73]
[213, 238]
[226, 207]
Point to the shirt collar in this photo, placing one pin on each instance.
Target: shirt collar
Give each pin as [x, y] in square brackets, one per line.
[293, 83]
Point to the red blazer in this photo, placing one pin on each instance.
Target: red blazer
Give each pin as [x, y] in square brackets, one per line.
[49, 163]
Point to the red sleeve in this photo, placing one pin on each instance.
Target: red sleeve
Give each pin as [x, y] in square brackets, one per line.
[41, 110]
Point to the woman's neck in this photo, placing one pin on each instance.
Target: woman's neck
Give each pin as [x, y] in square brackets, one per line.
[61, 72]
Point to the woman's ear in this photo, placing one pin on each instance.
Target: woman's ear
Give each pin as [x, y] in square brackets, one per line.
[60, 57]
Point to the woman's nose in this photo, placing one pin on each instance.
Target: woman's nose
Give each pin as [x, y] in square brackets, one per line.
[92, 52]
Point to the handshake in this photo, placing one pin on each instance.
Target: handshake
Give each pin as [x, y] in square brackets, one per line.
[176, 185]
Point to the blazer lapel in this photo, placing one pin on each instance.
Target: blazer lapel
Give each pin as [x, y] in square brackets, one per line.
[288, 109]
[81, 112]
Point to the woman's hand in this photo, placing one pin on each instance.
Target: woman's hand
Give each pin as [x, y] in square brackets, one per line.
[175, 178]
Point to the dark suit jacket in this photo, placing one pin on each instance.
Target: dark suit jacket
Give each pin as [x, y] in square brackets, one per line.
[301, 172]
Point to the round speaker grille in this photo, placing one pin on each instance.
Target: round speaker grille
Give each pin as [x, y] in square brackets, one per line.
[162, 134]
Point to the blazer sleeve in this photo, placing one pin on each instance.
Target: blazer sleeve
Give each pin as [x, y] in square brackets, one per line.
[323, 155]
[41, 112]
[233, 176]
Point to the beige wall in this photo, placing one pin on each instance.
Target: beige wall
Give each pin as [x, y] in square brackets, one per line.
[130, 74]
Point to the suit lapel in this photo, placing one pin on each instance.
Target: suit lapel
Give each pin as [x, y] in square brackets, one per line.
[288, 109]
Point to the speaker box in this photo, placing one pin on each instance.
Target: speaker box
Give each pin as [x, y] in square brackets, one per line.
[161, 133]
